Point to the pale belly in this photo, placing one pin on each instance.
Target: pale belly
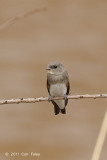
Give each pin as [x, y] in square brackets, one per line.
[58, 89]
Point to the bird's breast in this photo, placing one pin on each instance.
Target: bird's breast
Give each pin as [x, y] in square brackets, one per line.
[58, 89]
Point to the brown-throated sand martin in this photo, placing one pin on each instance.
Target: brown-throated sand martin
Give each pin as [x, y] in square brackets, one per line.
[58, 85]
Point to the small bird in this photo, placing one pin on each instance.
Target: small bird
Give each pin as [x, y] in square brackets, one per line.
[58, 85]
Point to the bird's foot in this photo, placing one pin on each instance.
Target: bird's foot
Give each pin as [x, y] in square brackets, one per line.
[65, 97]
[49, 98]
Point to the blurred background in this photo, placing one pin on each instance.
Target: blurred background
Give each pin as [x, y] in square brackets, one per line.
[74, 33]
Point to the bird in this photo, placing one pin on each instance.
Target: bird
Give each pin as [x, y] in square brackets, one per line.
[58, 85]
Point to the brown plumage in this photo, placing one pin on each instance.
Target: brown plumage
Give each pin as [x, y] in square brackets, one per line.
[58, 85]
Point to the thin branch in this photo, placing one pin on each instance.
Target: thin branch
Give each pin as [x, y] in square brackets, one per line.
[33, 100]
[18, 17]
[100, 140]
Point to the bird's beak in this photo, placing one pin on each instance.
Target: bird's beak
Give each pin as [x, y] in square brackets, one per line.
[48, 68]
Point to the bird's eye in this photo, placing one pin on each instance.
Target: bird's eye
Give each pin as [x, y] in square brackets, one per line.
[54, 66]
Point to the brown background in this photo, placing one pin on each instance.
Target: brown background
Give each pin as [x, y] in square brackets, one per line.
[74, 33]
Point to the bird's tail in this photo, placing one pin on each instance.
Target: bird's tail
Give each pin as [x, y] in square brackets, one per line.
[63, 111]
[57, 109]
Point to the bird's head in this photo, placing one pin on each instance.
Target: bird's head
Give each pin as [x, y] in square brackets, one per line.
[55, 68]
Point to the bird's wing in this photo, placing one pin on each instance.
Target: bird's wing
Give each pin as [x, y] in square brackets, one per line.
[68, 90]
[56, 108]
[48, 86]
[68, 87]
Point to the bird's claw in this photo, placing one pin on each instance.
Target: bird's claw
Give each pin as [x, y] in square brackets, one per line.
[65, 97]
[49, 98]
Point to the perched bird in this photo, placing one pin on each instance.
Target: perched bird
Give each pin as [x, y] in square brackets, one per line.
[58, 85]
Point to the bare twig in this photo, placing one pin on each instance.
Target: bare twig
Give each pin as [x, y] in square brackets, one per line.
[33, 100]
[100, 140]
[14, 19]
